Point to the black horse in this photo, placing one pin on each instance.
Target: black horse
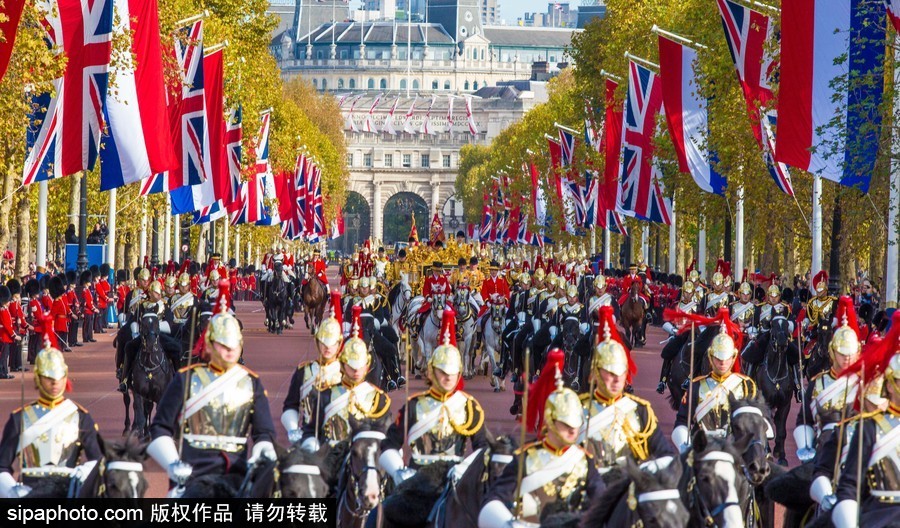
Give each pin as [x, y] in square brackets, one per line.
[819, 360]
[577, 352]
[149, 375]
[681, 369]
[385, 371]
[276, 301]
[714, 483]
[359, 488]
[773, 377]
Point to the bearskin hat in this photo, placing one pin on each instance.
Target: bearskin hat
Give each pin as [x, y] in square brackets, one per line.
[15, 287]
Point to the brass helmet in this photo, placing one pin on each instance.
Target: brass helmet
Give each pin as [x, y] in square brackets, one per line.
[170, 281]
[563, 405]
[845, 340]
[354, 283]
[364, 282]
[214, 276]
[572, 291]
[718, 278]
[539, 274]
[745, 288]
[609, 354]
[600, 281]
[49, 363]
[551, 279]
[330, 331]
[355, 353]
[223, 327]
[722, 346]
[561, 283]
[773, 291]
[144, 274]
[525, 279]
[688, 287]
[694, 276]
[155, 287]
[184, 279]
[447, 356]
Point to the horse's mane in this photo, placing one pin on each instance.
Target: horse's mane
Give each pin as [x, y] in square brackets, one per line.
[213, 487]
[130, 448]
[297, 456]
[49, 487]
[333, 460]
[756, 402]
[604, 505]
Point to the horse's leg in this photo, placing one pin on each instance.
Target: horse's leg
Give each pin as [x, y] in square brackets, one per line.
[126, 397]
[781, 416]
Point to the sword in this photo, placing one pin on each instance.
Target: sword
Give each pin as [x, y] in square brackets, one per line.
[807, 453]
[859, 442]
[179, 488]
[691, 387]
[521, 464]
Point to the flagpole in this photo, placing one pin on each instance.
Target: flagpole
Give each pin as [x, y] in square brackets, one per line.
[167, 230]
[893, 251]
[237, 246]
[739, 231]
[656, 29]
[606, 243]
[225, 243]
[190, 20]
[645, 62]
[604, 73]
[409, 47]
[176, 239]
[816, 228]
[673, 235]
[645, 243]
[701, 249]
[111, 228]
[143, 234]
[42, 224]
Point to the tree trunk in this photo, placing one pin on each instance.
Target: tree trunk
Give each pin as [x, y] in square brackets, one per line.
[128, 256]
[120, 252]
[837, 239]
[728, 250]
[23, 235]
[5, 209]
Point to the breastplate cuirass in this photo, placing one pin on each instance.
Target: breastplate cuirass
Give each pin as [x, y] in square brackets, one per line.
[884, 474]
[612, 444]
[442, 439]
[745, 312]
[337, 427]
[227, 413]
[323, 378]
[562, 488]
[181, 305]
[54, 447]
[719, 417]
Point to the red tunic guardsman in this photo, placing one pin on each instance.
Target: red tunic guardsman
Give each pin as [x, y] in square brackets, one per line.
[60, 312]
[317, 267]
[435, 284]
[494, 289]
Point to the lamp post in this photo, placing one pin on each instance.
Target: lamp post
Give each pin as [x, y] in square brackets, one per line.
[82, 262]
[154, 254]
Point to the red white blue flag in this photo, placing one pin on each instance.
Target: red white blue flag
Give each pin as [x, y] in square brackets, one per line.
[832, 86]
[234, 134]
[611, 146]
[748, 34]
[249, 202]
[264, 171]
[137, 142]
[687, 115]
[64, 129]
[893, 10]
[573, 195]
[643, 195]
[300, 192]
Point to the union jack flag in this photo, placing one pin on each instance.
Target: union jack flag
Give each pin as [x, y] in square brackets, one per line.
[249, 201]
[209, 213]
[233, 136]
[484, 232]
[747, 32]
[188, 115]
[643, 194]
[317, 205]
[300, 188]
[64, 130]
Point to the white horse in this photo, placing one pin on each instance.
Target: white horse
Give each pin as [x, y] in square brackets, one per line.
[465, 329]
[429, 335]
[490, 353]
[399, 304]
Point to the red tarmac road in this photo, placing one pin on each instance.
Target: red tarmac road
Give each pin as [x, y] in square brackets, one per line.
[92, 372]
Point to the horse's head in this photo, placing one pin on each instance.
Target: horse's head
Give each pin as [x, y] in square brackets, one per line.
[502, 449]
[570, 333]
[438, 302]
[720, 489]
[122, 474]
[780, 333]
[750, 425]
[656, 493]
[363, 479]
[498, 315]
[301, 474]
[635, 288]
[149, 328]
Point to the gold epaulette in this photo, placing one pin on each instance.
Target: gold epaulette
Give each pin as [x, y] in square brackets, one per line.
[699, 378]
[380, 407]
[303, 365]
[474, 418]
[254, 374]
[527, 446]
[819, 375]
[865, 416]
[189, 367]
[81, 408]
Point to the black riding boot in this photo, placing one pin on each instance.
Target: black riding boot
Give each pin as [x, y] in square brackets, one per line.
[130, 352]
[664, 375]
[798, 387]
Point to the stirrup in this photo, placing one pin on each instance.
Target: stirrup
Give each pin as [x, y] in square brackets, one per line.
[686, 384]
[661, 388]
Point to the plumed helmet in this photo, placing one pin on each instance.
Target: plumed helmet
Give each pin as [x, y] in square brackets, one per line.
[600, 282]
[446, 356]
[214, 276]
[773, 291]
[355, 353]
[539, 274]
[718, 278]
[820, 281]
[56, 287]
[32, 287]
[15, 287]
[688, 287]
[224, 328]
[572, 291]
[50, 363]
[155, 287]
[170, 281]
[330, 331]
[694, 275]
[184, 279]
[893, 368]
[609, 353]
[745, 289]
[144, 274]
[525, 279]
[845, 340]
[722, 346]
[563, 405]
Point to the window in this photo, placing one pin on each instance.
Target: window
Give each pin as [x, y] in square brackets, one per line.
[407, 161]
[352, 83]
[466, 86]
[371, 84]
[367, 160]
[384, 84]
[403, 84]
[340, 84]
[350, 159]
[446, 161]
[320, 55]
[482, 53]
[426, 161]
[416, 84]
[324, 84]
[315, 83]
[434, 85]
[388, 160]
[344, 54]
[475, 86]
[446, 85]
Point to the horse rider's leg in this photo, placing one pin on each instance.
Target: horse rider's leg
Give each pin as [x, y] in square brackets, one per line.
[172, 348]
[793, 361]
[668, 356]
[751, 357]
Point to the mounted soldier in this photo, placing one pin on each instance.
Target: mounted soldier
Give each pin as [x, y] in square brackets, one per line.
[153, 304]
[743, 310]
[618, 423]
[312, 378]
[687, 305]
[50, 436]
[599, 297]
[773, 307]
[719, 297]
[185, 308]
[705, 406]
[821, 308]
[213, 406]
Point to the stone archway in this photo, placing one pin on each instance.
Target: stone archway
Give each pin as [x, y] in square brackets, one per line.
[398, 213]
[357, 222]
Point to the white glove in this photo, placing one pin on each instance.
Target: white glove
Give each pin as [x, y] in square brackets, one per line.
[495, 515]
[805, 438]
[553, 332]
[82, 471]
[135, 330]
[669, 328]
[163, 451]
[845, 514]
[290, 419]
[294, 436]
[821, 488]
[536, 324]
[263, 449]
[310, 445]
[10, 489]
[680, 437]
[584, 327]
[391, 461]
[521, 318]
[653, 466]
[164, 327]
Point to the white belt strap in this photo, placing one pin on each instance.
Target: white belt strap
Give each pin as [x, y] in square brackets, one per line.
[121, 465]
[659, 495]
[302, 469]
[553, 470]
[46, 422]
[216, 439]
[218, 386]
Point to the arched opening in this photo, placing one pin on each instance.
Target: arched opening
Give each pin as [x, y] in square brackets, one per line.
[446, 85]
[452, 216]
[434, 85]
[357, 223]
[384, 84]
[371, 84]
[403, 84]
[466, 86]
[340, 84]
[352, 83]
[415, 84]
[398, 214]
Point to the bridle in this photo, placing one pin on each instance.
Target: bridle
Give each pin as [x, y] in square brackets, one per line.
[153, 363]
[351, 480]
[695, 498]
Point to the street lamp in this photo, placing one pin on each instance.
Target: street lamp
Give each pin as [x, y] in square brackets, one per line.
[82, 262]
[154, 256]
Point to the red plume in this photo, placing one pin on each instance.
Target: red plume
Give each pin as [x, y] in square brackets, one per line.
[821, 276]
[691, 267]
[722, 317]
[845, 309]
[184, 266]
[147, 261]
[744, 276]
[336, 307]
[356, 324]
[607, 320]
[224, 300]
[49, 336]
[448, 324]
[876, 356]
[170, 267]
[540, 390]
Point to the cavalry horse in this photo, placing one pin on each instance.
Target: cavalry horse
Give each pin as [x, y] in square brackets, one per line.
[632, 316]
[150, 374]
[818, 358]
[429, 335]
[773, 377]
[359, 488]
[492, 344]
[577, 353]
[314, 295]
[399, 298]
[276, 300]
[465, 330]
[682, 370]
